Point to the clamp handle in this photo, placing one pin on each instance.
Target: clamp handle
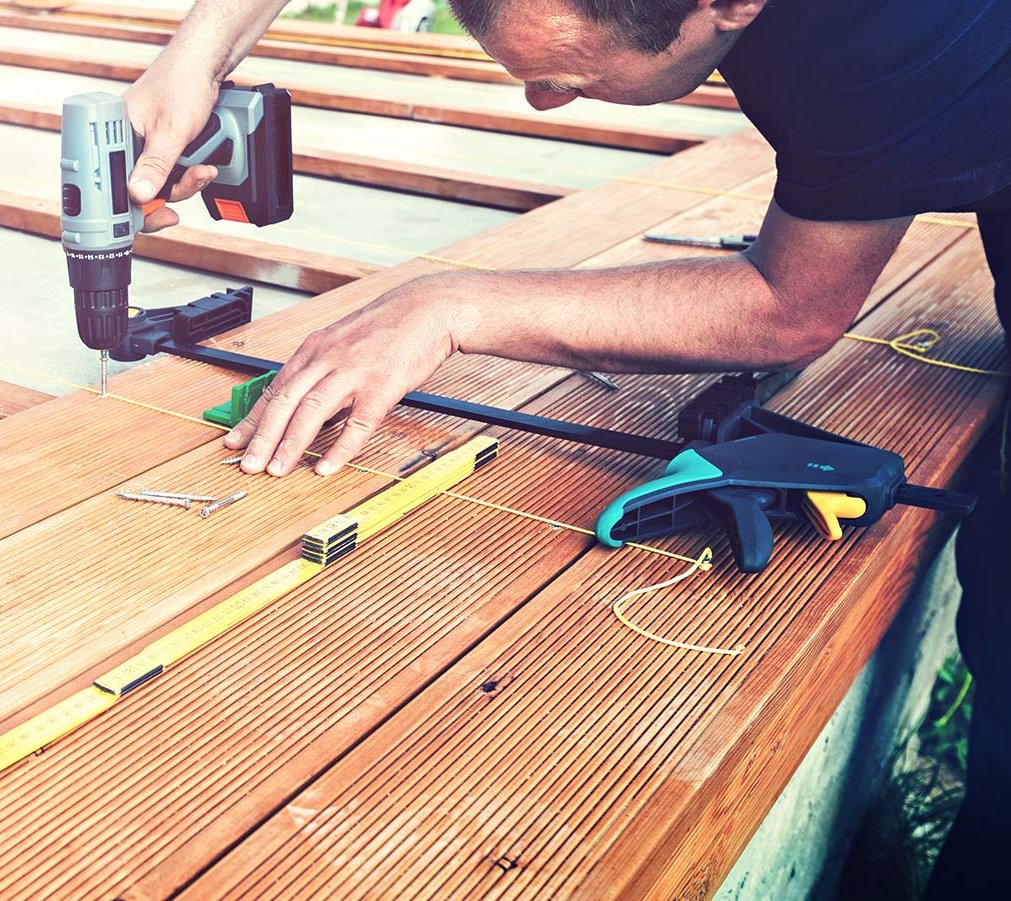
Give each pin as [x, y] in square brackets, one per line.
[740, 512]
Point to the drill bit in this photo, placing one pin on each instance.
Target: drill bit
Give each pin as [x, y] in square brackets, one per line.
[104, 357]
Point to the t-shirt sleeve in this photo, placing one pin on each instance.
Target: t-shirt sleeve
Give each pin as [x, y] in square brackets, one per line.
[871, 120]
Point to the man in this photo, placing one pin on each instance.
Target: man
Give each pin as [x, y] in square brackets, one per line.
[877, 110]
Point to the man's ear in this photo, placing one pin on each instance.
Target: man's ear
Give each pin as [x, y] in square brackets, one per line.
[735, 15]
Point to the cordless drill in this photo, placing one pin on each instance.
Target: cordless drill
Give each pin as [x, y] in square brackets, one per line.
[248, 137]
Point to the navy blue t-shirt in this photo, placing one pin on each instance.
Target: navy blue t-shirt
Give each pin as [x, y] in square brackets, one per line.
[880, 108]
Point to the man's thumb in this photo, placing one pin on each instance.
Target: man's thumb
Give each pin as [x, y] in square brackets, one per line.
[150, 172]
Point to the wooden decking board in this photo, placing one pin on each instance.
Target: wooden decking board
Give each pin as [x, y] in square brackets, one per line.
[196, 248]
[463, 533]
[818, 588]
[522, 479]
[433, 181]
[108, 587]
[655, 140]
[546, 237]
[17, 399]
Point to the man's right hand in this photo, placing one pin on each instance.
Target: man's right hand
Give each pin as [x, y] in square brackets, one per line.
[168, 109]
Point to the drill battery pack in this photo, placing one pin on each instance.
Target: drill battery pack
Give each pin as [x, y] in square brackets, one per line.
[266, 196]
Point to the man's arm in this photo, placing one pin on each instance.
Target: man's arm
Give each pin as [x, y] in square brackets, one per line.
[172, 100]
[781, 304]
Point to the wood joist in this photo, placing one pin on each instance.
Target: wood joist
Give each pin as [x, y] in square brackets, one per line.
[416, 178]
[425, 44]
[396, 104]
[442, 794]
[485, 71]
[204, 249]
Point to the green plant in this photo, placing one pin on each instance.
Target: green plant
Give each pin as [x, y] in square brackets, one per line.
[907, 821]
[944, 734]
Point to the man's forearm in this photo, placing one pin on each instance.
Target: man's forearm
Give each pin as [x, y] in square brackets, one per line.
[219, 33]
[677, 316]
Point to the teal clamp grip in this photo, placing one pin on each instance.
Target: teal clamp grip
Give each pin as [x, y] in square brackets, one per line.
[687, 468]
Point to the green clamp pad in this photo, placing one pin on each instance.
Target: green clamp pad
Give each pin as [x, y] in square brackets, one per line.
[244, 396]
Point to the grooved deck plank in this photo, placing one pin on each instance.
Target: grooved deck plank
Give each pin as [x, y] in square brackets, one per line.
[17, 399]
[601, 765]
[606, 215]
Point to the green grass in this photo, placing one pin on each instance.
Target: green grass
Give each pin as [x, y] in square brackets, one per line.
[324, 12]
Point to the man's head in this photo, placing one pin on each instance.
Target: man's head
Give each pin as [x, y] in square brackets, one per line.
[634, 52]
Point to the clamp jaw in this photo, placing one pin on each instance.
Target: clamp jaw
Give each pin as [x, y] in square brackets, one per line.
[746, 466]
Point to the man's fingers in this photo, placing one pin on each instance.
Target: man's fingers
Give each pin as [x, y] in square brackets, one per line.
[159, 219]
[194, 180]
[365, 416]
[151, 170]
[262, 430]
[315, 408]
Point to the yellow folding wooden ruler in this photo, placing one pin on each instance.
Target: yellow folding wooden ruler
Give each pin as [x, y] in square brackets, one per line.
[320, 547]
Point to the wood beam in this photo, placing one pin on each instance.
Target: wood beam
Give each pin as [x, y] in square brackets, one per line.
[483, 71]
[647, 139]
[395, 175]
[194, 248]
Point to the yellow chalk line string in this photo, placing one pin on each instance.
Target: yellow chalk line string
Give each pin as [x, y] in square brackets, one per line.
[703, 563]
[356, 466]
[916, 344]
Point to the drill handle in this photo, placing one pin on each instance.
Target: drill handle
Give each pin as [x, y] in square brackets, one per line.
[218, 144]
[248, 138]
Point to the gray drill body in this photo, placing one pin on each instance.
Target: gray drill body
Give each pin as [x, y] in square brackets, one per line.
[99, 221]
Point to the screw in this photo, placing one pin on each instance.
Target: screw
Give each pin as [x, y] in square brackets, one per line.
[197, 498]
[432, 454]
[153, 499]
[232, 461]
[224, 502]
[604, 380]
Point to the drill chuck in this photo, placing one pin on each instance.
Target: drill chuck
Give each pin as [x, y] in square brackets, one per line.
[101, 283]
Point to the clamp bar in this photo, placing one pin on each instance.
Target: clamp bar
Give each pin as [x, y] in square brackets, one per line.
[435, 403]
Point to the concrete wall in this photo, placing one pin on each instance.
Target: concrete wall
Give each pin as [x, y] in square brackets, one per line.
[799, 848]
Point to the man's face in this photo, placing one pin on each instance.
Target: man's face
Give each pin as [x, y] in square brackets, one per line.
[561, 56]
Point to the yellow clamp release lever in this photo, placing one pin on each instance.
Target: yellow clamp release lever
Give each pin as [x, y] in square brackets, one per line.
[826, 508]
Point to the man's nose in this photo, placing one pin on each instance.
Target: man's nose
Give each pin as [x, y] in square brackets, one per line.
[544, 100]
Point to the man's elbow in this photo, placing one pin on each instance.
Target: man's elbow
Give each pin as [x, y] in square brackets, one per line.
[805, 339]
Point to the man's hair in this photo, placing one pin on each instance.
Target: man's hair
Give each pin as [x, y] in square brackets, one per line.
[649, 25]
